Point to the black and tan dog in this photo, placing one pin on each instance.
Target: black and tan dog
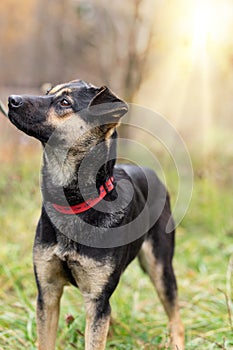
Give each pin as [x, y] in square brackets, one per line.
[96, 216]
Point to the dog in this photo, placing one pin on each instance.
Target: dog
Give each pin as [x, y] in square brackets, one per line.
[96, 216]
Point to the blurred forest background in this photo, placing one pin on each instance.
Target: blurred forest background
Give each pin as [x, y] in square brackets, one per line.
[171, 56]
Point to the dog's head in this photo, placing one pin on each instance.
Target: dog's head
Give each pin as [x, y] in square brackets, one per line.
[87, 105]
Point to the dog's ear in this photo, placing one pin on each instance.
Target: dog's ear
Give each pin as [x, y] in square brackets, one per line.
[106, 104]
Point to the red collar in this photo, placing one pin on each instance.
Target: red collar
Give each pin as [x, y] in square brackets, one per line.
[107, 187]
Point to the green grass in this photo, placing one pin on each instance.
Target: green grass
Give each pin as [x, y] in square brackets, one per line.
[202, 263]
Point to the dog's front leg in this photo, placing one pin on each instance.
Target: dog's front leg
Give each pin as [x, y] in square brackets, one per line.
[97, 324]
[50, 283]
[47, 319]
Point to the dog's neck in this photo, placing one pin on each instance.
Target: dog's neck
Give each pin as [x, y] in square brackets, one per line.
[65, 179]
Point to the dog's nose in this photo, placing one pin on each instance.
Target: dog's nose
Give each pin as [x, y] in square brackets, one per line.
[15, 101]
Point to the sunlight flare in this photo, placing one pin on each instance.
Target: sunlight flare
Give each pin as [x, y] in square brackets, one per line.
[211, 23]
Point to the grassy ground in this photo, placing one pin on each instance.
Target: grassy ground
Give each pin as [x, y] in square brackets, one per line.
[203, 264]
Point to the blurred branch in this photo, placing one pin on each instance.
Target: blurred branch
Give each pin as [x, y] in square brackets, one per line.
[137, 64]
[3, 108]
[107, 44]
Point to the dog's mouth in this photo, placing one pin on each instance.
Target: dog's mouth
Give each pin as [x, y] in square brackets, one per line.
[15, 119]
[25, 124]
[19, 119]
[25, 113]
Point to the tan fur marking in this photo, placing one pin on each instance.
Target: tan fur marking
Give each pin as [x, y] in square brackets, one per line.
[52, 281]
[153, 268]
[155, 271]
[48, 266]
[55, 89]
[108, 136]
[62, 170]
[95, 334]
[56, 120]
[109, 133]
[64, 91]
[91, 276]
[61, 163]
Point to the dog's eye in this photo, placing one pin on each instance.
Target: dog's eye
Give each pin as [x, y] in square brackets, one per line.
[65, 103]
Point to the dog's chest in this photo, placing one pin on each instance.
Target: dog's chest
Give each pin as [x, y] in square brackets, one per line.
[91, 275]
